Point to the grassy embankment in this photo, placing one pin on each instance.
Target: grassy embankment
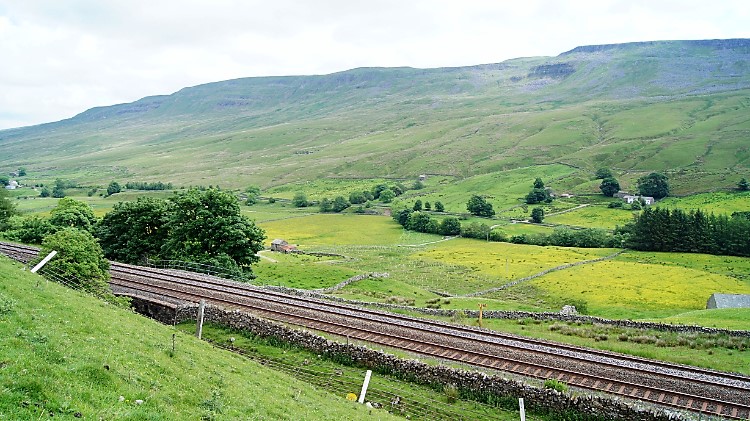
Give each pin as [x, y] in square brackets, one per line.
[67, 355]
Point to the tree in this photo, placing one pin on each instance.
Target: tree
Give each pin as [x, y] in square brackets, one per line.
[357, 197]
[30, 229]
[4, 180]
[538, 183]
[134, 231]
[537, 215]
[340, 204]
[603, 173]
[114, 187]
[7, 208]
[475, 230]
[45, 192]
[386, 196]
[480, 207]
[418, 185]
[427, 206]
[59, 190]
[422, 222]
[449, 226]
[79, 260]
[326, 205]
[439, 207]
[743, 185]
[21, 171]
[378, 190]
[73, 213]
[655, 185]
[417, 206]
[252, 193]
[207, 227]
[300, 200]
[537, 196]
[609, 186]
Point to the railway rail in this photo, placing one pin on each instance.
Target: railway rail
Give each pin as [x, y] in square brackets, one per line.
[706, 391]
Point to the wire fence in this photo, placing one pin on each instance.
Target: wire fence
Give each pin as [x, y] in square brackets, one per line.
[396, 396]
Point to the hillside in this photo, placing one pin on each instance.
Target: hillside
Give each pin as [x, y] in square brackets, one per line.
[63, 354]
[674, 106]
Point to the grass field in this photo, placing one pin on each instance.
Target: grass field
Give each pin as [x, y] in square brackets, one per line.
[593, 217]
[71, 356]
[718, 203]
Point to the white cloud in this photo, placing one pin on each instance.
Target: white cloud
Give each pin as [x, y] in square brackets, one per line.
[60, 58]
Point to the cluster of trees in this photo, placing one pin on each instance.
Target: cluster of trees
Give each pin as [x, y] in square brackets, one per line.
[338, 204]
[58, 191]
[382, 192]
[141, 185]
[538, 193]
[566, 237]
[198, 226]
[424, 222]
[655, 185]
[674, 230]
[478, 206]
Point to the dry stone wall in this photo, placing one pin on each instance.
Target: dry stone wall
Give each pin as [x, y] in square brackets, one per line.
[520, 315]
[473, 383]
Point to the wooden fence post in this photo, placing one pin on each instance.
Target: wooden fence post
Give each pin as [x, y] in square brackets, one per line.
[199, 327]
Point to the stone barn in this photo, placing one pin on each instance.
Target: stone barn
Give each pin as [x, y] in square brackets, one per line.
[728, 301]
[282, 246]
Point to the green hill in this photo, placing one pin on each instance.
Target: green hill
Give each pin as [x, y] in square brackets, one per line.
[675, 106]
[63, 354]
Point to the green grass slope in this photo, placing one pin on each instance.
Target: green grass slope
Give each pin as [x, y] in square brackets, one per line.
[66, 355]
[675, 106]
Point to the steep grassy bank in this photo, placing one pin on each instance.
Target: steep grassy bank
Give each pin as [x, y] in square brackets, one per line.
[66, 355]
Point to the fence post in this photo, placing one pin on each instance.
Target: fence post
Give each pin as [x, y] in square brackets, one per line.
[199, 327]
[44, 261]
[364, 386]
[522, 409]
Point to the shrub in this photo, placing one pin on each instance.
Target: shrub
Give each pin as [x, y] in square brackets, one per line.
[555, 384]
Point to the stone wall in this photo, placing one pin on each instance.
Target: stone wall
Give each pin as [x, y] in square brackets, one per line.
[520, 315]
[476, 384]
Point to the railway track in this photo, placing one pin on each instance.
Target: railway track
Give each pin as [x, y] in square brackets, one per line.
[706, 391]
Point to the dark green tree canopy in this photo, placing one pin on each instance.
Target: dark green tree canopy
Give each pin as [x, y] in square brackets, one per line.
[134, 231]
[655, 185]
[300, 200]
[340, 204]
[357, 197]
[114, 187]
[538, 183]
[609, 186]
[79, 259]
[439, 207]
[326, 205]
[207, 227]
[449, 226]
[480, 207]
[73, 213]
[29, 229]
[386, 196]
[422, 222]
[743, 185]
[537, 215]
[417, 205]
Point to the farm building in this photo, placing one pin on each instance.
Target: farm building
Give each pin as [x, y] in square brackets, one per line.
[646, 199]
[282, 246]
[12, 185]
[728, 301]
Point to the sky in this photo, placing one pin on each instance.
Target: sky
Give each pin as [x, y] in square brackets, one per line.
[61, 57]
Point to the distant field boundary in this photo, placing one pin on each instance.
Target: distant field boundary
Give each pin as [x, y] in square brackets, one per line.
[542, 273]
[520, 315]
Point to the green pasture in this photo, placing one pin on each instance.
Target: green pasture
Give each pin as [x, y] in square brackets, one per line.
[717, 202]
[595, 216]
[73, 356]
[624, 289]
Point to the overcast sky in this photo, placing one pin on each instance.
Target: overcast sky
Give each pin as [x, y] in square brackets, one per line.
[61, 57]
